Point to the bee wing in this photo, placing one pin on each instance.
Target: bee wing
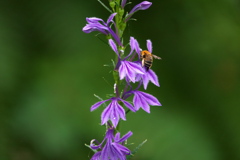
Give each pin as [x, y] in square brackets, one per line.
[156, 57]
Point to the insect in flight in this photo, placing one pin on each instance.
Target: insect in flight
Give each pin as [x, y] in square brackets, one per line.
[147, 59]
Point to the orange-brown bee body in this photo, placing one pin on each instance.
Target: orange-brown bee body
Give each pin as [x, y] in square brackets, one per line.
[147, 59]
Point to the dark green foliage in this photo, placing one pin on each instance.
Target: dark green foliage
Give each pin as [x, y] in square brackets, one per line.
[48, 80]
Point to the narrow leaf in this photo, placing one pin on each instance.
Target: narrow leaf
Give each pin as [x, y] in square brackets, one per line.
[104, 104]
[136, 149]
[104, 6]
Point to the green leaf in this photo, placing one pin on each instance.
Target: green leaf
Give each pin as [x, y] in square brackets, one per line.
[104, 104]
[136, 149]
[104, 6]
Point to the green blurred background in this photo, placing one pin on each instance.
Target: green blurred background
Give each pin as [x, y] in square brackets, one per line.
[50, 69]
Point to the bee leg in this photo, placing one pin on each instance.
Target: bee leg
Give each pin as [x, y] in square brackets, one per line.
[142, 62]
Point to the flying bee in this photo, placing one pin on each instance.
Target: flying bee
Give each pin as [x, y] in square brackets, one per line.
[147, 59]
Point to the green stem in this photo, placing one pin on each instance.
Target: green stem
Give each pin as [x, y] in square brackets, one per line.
[118, 21]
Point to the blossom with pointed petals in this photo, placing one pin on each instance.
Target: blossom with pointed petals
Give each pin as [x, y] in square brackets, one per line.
[114, 111]
[141, 6]
[97, 24]
[149, 75]
[143, 100]
[113, 149]
[126, 68]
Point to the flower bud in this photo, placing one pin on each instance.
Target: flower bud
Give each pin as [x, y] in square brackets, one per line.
[112, 4]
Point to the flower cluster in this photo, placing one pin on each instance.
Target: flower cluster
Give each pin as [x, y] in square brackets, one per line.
[113, 148]
[128, 69]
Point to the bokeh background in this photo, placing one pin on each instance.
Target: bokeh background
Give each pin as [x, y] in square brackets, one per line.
[50, 69]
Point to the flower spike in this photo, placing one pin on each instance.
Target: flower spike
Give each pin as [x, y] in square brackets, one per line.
[131, 67]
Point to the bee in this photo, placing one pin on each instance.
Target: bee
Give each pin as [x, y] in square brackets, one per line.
[147, 59]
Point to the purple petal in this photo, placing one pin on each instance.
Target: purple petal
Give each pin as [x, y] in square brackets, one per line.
[89, 28]
[93, 20]
[141, 6]
[153, 77]
[129, 71]
[150, 99]
[117, 136]
[138, 77]
[146, 108]
[126, 71]
[137, 102]
[109, 134]
[107, 152]
[96, 156]
[136, 67]
[122, 71]
[149, 45]
[145, 105]
[115, 36]
[106, 114]
[111, 18]
[113, 46]
[137, 48]
[121, 149]
[125, 137]
[95, 27]
[96, 105]
[93, 146]
[129, 105]
[145, 79]
[116, 153]
[110, 151]
[114, 116]
[121, 111]
[123, 3]
[132, 44]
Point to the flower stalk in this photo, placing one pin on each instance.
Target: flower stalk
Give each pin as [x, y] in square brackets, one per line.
[127, 69]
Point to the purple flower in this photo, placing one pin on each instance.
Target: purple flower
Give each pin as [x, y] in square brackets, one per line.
[143, 100]
[141, 6]
[149, 74]
[126, 68]
[97, 24]
[113, 149]
[114, 111]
